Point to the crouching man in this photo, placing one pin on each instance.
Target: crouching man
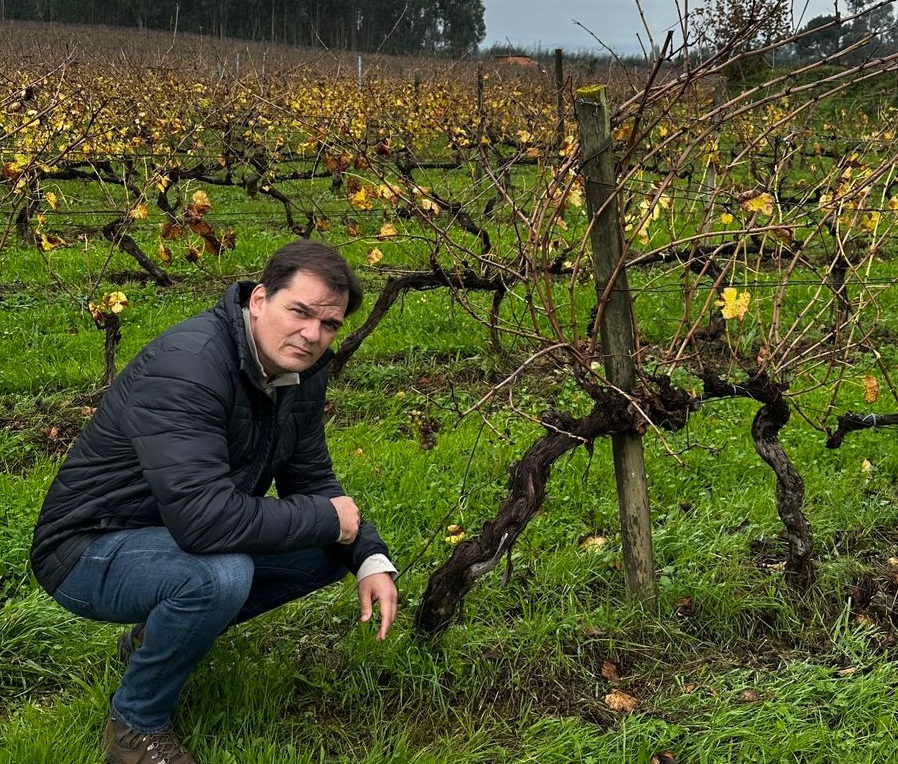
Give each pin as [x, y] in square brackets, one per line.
[159, 516]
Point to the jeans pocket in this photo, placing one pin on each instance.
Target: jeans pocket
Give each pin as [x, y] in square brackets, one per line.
[73, 604]
[80, 588]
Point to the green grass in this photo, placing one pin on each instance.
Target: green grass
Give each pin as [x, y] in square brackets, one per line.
[733, 667]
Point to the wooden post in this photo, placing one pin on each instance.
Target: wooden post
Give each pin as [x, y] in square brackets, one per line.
[559, 90]
[478, 167]
[618, 336]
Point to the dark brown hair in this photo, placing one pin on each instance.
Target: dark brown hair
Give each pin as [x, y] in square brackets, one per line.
[315, 258]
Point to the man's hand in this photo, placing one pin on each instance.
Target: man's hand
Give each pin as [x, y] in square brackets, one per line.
[349, 516]
[379, 588]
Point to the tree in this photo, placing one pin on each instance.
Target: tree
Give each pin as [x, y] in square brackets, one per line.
[413, 26]
[463, 27]
[820, 44]
[875, 20]
[742, 25]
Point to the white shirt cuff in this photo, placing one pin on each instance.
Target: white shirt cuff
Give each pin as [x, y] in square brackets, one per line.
[376, 563]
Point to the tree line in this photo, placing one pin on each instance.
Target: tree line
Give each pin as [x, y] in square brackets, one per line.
[407, 27]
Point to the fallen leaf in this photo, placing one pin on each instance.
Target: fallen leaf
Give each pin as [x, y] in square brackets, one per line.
[619, 701]
[609, 671]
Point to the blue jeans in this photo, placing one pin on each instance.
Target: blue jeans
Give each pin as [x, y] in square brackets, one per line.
[186, 601]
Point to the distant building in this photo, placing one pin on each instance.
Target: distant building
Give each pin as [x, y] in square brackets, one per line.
[514, 60]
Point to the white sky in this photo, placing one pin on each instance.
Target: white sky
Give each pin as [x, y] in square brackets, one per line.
[550, 24]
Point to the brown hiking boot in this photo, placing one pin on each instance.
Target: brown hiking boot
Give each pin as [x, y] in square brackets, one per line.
[125, 746]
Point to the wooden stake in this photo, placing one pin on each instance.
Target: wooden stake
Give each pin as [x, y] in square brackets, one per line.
[618, 336]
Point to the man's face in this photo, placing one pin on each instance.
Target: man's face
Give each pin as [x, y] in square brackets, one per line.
[297, 324]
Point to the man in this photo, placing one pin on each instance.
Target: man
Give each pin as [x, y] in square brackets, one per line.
[159, 515]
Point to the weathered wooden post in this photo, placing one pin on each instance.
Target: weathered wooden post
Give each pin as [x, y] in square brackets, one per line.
[559, 94]
[617, 334]
[478, 167]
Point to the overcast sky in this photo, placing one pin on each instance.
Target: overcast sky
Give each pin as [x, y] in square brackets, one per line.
[550, 24]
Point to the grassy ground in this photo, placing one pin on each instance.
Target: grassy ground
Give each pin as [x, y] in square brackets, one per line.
[734, 667]
[548, 661]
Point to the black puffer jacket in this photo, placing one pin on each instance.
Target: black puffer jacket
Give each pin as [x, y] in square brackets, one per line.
[186, 437]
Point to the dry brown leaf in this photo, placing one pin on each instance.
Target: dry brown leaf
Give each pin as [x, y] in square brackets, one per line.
[609, 671]
[619, 701]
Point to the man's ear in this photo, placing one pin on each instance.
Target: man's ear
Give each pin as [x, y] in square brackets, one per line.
[256, 298]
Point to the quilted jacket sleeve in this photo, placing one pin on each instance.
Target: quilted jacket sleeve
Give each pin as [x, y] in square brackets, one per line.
[176, 417]
[305, 472]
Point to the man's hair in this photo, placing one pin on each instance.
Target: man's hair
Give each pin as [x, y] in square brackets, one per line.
[317, 259]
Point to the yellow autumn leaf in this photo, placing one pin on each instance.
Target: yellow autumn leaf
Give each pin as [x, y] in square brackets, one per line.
[429, 205]
[360, 199]
[893, 203]
[726, 218]
[375, 256]
[115, 302]
[201, 203]
[138, 212]
[733, 304]
[567, 146]
[387, 230]
[456, 533]
[871, 388]
[50, 242]
[388, 193]
[51, 199]
[869, 221]
[762, 203]
[164, 254]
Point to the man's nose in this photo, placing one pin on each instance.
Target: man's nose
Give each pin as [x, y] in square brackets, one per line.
[311, 331]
